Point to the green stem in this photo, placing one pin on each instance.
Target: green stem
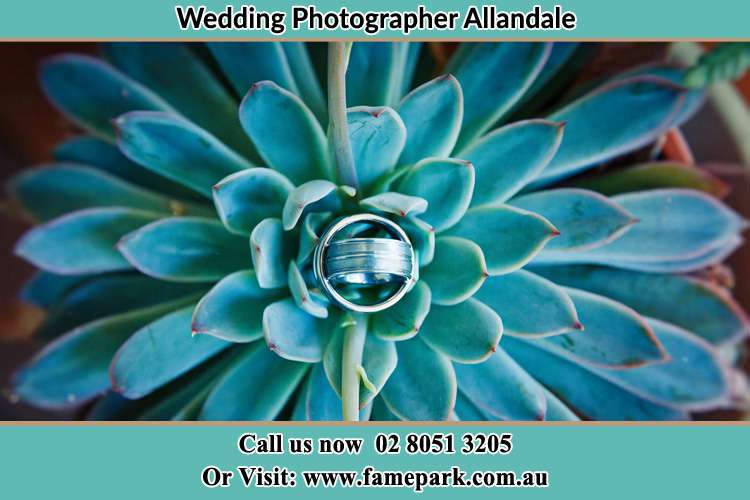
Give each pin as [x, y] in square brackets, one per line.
[338, 128]
[355, 332]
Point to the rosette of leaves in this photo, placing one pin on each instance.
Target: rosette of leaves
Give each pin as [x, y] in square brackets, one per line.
[175, 237]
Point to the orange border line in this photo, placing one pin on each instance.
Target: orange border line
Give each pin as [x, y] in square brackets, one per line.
[235, 423]
[389, 39]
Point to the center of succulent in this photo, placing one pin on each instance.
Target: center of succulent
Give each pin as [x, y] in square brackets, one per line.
[364, 263]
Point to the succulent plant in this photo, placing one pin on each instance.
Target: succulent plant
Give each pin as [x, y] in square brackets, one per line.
[196, 200]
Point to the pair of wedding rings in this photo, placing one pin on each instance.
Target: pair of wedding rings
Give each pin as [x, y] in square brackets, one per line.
[361, 261]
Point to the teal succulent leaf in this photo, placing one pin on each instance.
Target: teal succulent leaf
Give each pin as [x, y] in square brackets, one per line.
[422, 237]
[711, 257]
[319, 402]
[557, 410]
[379, 360]
[270, 253]
[705, 309]
[285, 132]
[584, 341]
[442, 330]
[694, 378]
[693, 98]
[409, 75]
[74, 368]
[447, 184]
[44, 289]
[423, 385]
[529, 305]
[381, 413]
[377, 137]
[186, 394]
[561, 64]
[313, 196]
[614, 336]
[457, 270]
[432, 114]
[594, 133]
[305, 300]
[111, 406]
[294, 334]
[267, 189]
[404, 320]
[509, 237]
[585, 219]
[233, 309]
[309, 235]
[106, 295]
[508, 158]
[697, 225]
[105, 156]
[466, 411]
[246, 63]
[304, 75]
[91, 93]
[486, 96]
[287, 64]
[140, 365]
[176, 73]
[82, 242]
[581, 387]
[175, 148]
[656, 175]
[395, 204]
[189, 249]
[255, 387]
[376, 73]
[38, 191]
[502, 389]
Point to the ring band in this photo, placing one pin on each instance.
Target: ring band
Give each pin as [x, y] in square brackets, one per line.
[373, 269]
[364, 261]
[368, 261]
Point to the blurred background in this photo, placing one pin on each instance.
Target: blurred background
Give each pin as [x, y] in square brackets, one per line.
[30, 128]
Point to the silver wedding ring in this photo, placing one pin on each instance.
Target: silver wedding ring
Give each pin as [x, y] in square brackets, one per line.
[368, 261]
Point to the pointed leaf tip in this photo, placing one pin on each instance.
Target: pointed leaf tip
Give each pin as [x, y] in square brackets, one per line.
[529, 305]
[172, 146]
[314, 196]
[270, 253]
[583, 219]
[285, 132]
[593, 134]
[446, 184]
[507, 159]
[246, 198]
[82, 242]
[502, 388]
[190, 249]
[423, 385]
[468, 332]
[377, 137]
[293, 333]
[509, 237]
[233, 309]
[457, 270]
[615, 335]
[432, 114]
[396, 204]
